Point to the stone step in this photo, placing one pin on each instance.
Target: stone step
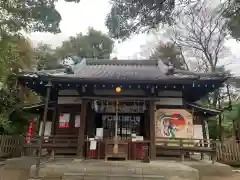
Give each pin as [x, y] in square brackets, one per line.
[87, 176]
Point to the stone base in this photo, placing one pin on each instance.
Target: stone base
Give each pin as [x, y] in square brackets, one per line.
[206, 168]
[77, 176]
[117, 170]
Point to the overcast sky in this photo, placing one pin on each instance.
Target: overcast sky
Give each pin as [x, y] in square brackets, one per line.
[79, 17]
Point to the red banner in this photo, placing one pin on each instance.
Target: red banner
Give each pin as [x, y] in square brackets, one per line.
[30, 131]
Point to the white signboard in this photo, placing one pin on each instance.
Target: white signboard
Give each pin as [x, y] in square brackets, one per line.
[77, 120]
[48, 129]
[93, 144]
[64, 120]
[197, 132]
[99, 133]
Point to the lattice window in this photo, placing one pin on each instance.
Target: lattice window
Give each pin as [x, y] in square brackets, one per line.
[127, 125]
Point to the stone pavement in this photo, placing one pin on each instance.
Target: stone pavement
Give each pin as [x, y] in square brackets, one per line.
[206, 168]
[72, 169]
[117, 170]
[17, 168]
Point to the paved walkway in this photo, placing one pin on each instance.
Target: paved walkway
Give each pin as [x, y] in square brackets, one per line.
[234, 176]
[69, 169]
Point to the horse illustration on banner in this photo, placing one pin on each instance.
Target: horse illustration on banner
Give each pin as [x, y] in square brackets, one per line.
[171, 124]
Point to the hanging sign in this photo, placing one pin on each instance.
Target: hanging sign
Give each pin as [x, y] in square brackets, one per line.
[99, 133]
[64, 120]
[47, 132]
[30, 131]
[93, 144]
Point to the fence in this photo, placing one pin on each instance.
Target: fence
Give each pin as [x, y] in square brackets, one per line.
[228, 151]
[10, 146]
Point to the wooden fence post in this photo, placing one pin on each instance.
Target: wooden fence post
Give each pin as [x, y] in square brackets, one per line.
[1, 146]
[181, 150]
[214, 154]
[201, 145]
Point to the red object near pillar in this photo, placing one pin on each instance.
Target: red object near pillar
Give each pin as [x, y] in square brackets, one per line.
[139, 150]
[30, 131]
[92, 154]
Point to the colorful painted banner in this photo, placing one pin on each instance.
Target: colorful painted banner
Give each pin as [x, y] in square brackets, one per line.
[174, 123]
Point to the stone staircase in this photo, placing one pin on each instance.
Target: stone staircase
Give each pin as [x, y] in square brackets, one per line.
[127, 170]
[82, 176]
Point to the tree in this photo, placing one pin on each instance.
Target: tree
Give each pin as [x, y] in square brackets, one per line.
[16, 54]
[46, 57]
[218, 100]
[136, 16]
[201, 32]
[94, 44]
[29, 15]
[233, 15]
[169, 53]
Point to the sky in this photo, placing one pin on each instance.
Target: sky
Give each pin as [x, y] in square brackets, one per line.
[78, 17]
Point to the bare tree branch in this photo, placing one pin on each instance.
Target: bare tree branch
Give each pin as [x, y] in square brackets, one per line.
[201, 31]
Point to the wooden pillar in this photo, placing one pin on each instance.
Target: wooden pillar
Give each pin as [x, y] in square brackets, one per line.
[152, 130]
[48, 86]
[90, 122]
[53, 128]
[54, 113]
[81, 129]
[205, 137]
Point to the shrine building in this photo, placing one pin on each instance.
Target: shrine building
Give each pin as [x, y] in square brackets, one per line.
[97, 104]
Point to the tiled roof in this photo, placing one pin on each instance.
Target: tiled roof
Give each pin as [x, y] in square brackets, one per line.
[120, 69]
[142, 70]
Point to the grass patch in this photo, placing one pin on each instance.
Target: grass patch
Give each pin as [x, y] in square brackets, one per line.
[235, 164]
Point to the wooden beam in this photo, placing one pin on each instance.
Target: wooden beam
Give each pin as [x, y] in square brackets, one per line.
[152, 130]
[112, 98]
[81, 129]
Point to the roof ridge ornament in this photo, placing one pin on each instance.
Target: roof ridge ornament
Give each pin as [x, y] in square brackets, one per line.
[163, 67]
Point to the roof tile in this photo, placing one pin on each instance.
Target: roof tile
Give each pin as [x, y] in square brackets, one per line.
[120, 69]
